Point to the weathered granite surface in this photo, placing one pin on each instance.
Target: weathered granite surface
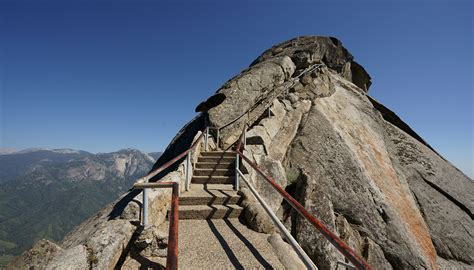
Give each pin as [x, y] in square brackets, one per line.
[40, 254]
[352, 163]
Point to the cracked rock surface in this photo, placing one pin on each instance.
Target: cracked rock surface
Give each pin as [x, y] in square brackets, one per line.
[349, 160]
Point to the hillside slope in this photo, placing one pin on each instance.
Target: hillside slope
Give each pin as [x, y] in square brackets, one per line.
[58, 190]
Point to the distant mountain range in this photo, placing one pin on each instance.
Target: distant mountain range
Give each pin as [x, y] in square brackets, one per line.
[45, 193]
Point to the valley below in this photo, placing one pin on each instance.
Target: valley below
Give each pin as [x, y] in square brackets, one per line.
[45, 193]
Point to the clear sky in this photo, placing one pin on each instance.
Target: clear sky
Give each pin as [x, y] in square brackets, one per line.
[105, 75]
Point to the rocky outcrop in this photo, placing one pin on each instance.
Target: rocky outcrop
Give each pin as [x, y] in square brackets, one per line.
[40, 254]
[348, 159]
[275, 71]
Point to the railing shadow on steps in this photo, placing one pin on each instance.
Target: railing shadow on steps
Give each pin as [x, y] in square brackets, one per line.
[342, 247]
[144, 184]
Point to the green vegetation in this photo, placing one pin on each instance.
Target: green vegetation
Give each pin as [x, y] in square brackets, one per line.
[5, 245]
[292, 175]
[4, 259]
[48, 211]
[50, 201]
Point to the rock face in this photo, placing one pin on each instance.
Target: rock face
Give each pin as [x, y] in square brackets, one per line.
[348, 159]
[37, 257]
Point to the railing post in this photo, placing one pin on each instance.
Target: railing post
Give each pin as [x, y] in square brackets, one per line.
[236, 171]
[145, 207]
[245, 139]
[188, 171]
[172, 253]
[206, 138]
[217, 139]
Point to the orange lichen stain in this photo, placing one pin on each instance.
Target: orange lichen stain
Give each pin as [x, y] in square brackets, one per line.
[384, 176]
[355, 127]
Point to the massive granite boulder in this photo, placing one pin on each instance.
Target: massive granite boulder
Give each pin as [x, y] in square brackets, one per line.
[347, 158]
[351, 162]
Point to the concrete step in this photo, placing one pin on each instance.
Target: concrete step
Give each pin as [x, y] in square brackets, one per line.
[222, 244]
[209, 212]
[216, 159]
[218, 154]
[214, 172]
[212, 179]
[213, 165]
[203, 194]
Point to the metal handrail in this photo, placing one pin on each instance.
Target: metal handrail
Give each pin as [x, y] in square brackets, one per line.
[172, 253]
[292, 83]
[303, 256]
[172, 256]
[350, 254]
[171, 162]
[206, 143]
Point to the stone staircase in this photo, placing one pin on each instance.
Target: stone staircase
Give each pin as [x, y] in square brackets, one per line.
[210, 234]
[211, 194]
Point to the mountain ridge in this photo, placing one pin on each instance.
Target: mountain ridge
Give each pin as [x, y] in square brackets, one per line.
[311, 125]
[54, 190]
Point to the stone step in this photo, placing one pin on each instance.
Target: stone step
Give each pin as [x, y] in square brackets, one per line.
[203, 194]
[223, 244]
[213, 165]
[209, 212]
[212, 179]
[218, 154]
[214, 172]
[216, 159]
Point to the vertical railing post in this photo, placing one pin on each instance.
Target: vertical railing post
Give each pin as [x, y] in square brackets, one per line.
[145, 207]
[206, 139]
[217, 139]
[245, 139]
[236, 171]
[188, 171]
[173, 250]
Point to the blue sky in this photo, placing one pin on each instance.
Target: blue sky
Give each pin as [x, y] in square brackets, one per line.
[106, 75]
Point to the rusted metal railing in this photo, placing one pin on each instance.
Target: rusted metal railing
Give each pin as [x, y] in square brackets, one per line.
[171, 162]
[350, 254]
[172, 255]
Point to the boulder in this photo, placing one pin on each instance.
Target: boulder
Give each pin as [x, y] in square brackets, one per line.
[305, 51]
[363, 245]
[255, 216]
[245, 90]
[287, 256]
[152, 241]
[40, 254]
[287, 130]
[349, 160]
[353, 163]
[76, 258]
[356, 73]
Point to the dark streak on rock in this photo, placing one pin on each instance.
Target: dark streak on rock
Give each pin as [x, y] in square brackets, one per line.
[449, 197]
